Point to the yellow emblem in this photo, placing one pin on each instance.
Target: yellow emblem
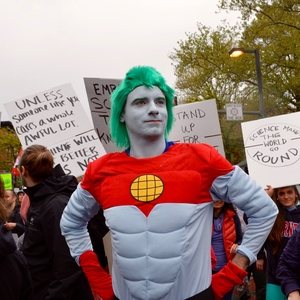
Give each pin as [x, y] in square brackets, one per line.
[146, 188]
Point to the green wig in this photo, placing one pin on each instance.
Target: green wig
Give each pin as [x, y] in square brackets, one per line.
[135, 77]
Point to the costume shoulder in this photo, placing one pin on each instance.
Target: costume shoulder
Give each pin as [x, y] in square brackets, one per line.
[97, 165]
[208, 154]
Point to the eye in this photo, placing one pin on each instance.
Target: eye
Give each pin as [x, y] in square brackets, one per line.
[161, 102]
[140, 102]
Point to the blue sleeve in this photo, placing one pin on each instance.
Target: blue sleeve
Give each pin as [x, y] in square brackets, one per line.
[80, 209]
[288, 270]
[242, 191]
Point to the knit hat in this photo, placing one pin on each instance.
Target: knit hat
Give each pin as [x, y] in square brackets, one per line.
[20, 191]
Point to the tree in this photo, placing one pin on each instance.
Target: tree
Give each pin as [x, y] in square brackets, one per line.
[9, 149]
[275, 30]
[205, 71]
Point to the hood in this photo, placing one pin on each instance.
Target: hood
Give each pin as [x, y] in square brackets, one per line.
[7, 242]
[57, 183]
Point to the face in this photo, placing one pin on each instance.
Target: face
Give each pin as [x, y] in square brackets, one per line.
[219, 204]
[287, 196]
[9, 197]
[20, 197]
[145, 113]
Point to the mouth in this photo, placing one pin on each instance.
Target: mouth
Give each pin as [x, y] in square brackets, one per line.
[153, 121]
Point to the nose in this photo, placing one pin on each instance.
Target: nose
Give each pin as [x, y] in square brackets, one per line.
[152, 108]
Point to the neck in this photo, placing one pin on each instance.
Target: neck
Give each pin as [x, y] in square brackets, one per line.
[29, 182]
[145, 148]
[218, 213]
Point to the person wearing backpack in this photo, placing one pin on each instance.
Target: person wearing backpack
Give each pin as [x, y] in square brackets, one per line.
[55, 274]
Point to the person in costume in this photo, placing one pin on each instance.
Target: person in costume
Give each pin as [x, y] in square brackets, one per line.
[157, 198]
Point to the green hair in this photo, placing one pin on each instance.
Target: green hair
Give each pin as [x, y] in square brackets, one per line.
[135, 77]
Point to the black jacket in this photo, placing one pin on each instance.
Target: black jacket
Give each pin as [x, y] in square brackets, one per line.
[15, 217]
[15, 283]
[54, 272]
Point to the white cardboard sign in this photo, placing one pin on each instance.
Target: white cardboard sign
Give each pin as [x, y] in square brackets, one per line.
[197, 123]
[272, 148]
[98, 92]
[55, 118]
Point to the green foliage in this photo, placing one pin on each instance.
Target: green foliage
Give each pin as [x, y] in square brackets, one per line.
[9, 149]
[201, 66]
[205, 71]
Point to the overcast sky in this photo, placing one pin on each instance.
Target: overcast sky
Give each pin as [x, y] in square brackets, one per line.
[47, 43]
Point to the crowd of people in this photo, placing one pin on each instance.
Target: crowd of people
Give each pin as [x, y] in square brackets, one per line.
[171, 209]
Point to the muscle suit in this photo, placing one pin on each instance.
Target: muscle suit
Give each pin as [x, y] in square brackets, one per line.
[159, 211]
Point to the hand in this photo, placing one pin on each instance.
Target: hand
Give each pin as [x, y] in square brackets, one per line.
[100, 282]
[260, 265]
[269, 190]
[10, 225]
[294, 295]
[225, 280]
[234, 248]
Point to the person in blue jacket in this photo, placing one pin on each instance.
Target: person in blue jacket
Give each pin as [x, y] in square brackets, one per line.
[288, 271]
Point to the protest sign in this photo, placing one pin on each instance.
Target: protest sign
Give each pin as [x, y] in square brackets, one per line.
[75, 153]
[56, 119]
[197, 122]
[98, 92]
[272, 148]
[7, 179]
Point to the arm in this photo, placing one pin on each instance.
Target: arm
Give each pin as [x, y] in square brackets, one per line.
[241, 190]
[80, 209]
[16, 224]
[288, 271]
[26, 292]
[261, 260]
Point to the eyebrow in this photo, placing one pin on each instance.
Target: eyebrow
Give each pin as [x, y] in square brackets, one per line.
[137, 99]
[145, 98]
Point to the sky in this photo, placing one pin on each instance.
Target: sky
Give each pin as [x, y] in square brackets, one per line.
[47, 43]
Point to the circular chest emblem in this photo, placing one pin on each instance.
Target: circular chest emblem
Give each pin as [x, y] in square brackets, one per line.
[146, 188]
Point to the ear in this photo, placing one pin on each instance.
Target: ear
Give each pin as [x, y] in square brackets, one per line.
[122, 120]
[23, 171]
